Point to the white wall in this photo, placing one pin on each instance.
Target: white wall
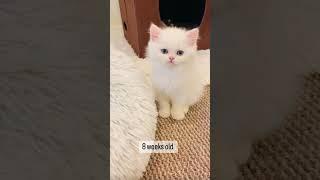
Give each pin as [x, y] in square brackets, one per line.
[115, 17]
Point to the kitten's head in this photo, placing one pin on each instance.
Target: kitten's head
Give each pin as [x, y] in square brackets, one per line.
[172, 45]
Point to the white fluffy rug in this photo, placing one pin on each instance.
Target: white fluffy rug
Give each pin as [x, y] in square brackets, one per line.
[132, 108]
[133, 117]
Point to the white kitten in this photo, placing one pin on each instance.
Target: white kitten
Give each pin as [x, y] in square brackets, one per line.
[176, 74]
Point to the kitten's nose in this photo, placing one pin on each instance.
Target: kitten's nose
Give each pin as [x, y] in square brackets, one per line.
[171, 58]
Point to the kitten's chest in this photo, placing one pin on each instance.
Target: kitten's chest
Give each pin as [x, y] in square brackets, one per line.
[168, 80]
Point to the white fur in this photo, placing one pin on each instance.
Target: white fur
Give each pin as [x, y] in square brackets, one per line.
[133, 117]
[177, 85]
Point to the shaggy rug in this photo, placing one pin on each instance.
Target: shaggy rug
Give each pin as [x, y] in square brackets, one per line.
[132, 117]
[292, 151]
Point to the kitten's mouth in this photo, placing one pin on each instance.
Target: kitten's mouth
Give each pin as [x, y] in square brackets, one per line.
[171, 62]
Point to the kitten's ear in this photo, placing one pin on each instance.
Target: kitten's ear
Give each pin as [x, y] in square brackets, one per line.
[154, 32]
[193, 36]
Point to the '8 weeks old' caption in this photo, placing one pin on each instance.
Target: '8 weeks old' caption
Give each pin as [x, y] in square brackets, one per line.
[158, 147]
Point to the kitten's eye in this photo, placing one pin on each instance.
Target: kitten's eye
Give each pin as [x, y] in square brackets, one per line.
[180, 52]
[164, 51]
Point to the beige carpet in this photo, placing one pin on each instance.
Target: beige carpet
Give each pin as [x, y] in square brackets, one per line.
[291, 152]
[193, 136]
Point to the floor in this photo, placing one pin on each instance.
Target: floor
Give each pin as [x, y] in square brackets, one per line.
[193, 137]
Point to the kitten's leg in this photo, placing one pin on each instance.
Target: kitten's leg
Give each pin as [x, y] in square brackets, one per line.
[164, 105]
[177, 111]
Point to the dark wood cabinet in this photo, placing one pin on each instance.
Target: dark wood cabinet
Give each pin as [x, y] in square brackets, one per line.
[137, 16]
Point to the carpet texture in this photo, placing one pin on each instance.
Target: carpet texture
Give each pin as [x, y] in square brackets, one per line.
[292, 151]
[193, 136]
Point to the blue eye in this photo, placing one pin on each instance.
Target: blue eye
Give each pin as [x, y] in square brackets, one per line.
[180, 52]
[164, 51]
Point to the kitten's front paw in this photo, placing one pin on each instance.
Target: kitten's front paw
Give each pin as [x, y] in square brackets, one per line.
[177, 114]
[164, 112]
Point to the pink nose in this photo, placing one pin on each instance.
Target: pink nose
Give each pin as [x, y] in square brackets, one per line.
[171, 58]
